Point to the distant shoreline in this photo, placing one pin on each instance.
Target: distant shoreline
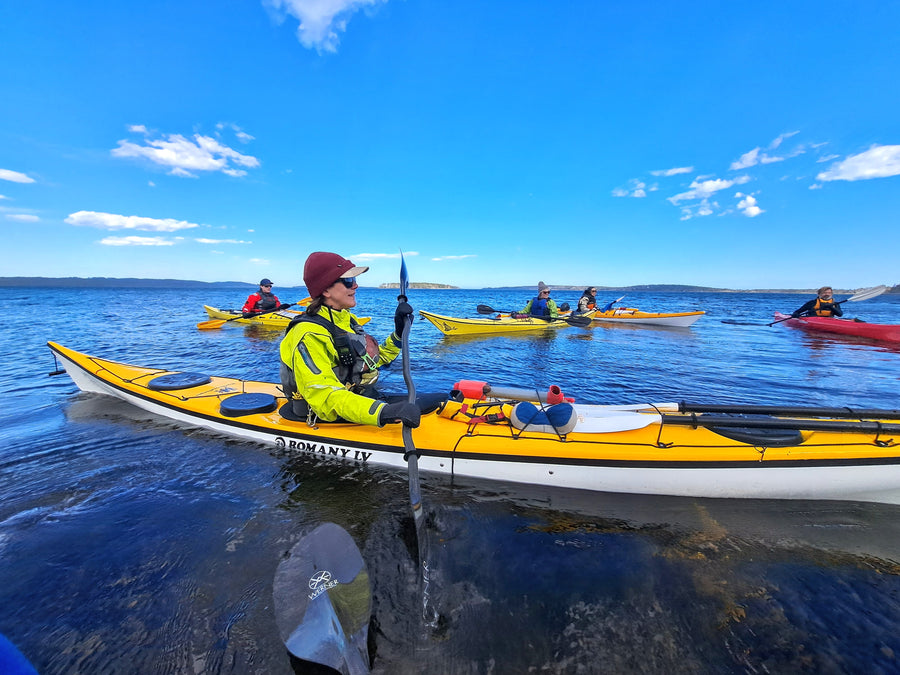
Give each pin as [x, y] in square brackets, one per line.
[112, 282]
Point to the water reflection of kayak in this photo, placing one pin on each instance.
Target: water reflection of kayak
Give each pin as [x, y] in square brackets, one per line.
[787, 453]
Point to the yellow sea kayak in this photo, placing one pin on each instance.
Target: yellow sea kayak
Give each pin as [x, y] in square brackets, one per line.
[632, 315]
[476, 430]
[450, 325]
[279, 319]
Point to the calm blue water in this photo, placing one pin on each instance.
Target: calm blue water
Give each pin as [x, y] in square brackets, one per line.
[128, 545]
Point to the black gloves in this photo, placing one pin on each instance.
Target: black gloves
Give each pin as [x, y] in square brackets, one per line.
[283, 305]
[401, 316]
[408, 413]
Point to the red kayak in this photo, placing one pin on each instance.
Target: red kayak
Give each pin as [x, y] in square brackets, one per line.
[826, 324]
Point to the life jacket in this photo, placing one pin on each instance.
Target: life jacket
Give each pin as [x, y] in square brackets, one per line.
[539, 307]
[586, 303]
[266, 303]
[354, 351]
[824, 307]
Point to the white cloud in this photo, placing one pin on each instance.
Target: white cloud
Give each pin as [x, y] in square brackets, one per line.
[320, 20]
[454, 257]
[703, 189]
[185, 156]
[380, 256]
[112, 221]
[774, 144]
[259, 261]
[826, 158]
[22, 217]
[136, 241]
[221, 241]
[3, 197]
[758, 156]
[747, 160]
[636, 188]
[748, 205]
[15, 176]
[879, 161]
[672, 172]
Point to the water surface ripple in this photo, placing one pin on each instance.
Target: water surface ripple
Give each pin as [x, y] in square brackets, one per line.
[130, 545]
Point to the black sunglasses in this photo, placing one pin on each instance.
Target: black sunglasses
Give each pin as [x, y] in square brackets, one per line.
[347, 281]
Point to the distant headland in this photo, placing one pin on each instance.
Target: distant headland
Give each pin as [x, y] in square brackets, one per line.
[112, 282]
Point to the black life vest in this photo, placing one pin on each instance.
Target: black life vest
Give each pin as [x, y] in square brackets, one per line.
[353, 356]
[266, 303]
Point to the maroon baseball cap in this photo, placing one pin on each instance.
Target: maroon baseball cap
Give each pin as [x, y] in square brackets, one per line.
[323, 269]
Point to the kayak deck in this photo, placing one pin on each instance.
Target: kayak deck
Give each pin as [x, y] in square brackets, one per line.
[632, 449]
[450, 325]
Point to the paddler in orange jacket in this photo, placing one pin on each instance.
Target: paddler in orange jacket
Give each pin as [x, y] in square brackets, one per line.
[822, 305]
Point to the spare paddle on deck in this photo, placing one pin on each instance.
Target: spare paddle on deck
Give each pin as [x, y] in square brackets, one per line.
[864, 294]
[323, 601]
[218, 323]
[579, 321]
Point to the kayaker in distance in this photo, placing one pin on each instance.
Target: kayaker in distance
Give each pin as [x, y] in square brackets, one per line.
[822, 305]
[262, 301]
[587, 301]
[328, 362]
[542, 305]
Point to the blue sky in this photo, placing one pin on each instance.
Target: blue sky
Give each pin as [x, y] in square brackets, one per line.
[736, 145]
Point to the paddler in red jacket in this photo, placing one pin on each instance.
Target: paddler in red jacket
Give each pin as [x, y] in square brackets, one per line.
[822, 305]
[262, 301]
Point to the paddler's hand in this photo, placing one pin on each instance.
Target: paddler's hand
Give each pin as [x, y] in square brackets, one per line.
[408, 413]
[283, 305]
[401, 317]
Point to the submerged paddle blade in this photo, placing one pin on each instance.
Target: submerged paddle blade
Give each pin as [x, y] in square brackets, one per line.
[579, 321]
[323, 601]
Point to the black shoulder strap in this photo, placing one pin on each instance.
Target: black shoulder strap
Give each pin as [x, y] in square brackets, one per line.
[338, 335]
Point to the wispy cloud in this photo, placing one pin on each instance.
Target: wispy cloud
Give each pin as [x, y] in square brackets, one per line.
[222, 241]
[759, 156]
[879, 161]
[15, 176]
[380, 256]
[184, 157]
[112, 221]
[136, 241]
[321, 21]
[704, 189]
[635, 188]
[454, 257]
[672, 172]
[22, 217]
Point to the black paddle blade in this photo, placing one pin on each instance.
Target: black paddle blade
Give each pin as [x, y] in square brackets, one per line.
[485, 309]
[323, 601]
[579, 321]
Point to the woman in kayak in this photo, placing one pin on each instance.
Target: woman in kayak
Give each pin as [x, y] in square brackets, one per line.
[262, 301]
[542, 305]
[822, 305]
[328, 363]
[587, 301]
